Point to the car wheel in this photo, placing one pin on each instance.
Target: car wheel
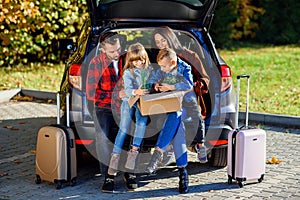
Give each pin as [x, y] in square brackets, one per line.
[218, 157]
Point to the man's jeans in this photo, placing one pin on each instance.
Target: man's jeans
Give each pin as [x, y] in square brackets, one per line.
[140, 126]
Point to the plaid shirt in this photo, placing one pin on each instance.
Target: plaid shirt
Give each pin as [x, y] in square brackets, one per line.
[102, 80]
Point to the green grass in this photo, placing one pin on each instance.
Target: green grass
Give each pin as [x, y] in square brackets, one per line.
[275, 76]
[274, 70]
[35, 76]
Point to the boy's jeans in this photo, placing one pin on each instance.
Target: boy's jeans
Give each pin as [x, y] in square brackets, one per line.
[179, 145]
[126, 118]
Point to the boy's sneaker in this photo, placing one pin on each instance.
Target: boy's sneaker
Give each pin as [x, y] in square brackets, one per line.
[167, 157]
[131, 157]
[201, 153]
[130, 181]
[109, 184]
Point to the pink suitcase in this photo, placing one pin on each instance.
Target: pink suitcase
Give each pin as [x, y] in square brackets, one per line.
[56, 152]
[246, 158]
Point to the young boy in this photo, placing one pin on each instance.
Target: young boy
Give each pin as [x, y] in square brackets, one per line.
[174, 74]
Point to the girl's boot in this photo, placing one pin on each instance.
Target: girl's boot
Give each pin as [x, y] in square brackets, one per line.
[131, 157]
[114, 163]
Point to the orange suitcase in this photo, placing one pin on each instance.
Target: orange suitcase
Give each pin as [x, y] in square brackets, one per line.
[56, 152]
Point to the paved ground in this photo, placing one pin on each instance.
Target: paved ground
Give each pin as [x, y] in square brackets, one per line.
[19, 124]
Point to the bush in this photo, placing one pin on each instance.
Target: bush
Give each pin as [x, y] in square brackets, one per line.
[29, 27]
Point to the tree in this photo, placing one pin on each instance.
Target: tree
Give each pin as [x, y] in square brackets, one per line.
[29, 27]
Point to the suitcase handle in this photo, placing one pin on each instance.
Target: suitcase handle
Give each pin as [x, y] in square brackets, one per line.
[247, 99]
[67, 107]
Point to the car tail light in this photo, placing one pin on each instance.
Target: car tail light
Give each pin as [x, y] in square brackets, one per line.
[218, 142]
[74, 76]
[84, 142]
[226, 77]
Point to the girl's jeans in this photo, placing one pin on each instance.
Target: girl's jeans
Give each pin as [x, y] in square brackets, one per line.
[126, 117]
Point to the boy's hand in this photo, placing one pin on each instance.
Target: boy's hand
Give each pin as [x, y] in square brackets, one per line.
[156, 87]
[164, 87]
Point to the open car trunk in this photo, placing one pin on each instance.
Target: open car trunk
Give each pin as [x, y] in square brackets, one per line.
[199, 12]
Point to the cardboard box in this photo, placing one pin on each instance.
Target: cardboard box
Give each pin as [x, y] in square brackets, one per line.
[158, 103]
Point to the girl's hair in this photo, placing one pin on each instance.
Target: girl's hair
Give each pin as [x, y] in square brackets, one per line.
[167, 33]
[136, 51]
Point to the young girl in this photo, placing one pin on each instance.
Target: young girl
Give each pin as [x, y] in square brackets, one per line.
[137, 70]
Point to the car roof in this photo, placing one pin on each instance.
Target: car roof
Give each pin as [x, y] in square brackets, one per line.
[198, 12]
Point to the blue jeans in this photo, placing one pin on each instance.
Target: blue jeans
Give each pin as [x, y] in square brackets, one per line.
[140, 126]
[179, 145]
[169, 129]
[191, 110]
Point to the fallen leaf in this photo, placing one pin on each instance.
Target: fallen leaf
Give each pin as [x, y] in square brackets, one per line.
[17, 161]
[14, 129]
[3, 174]
[274, 160]
[8, 127]
[21, 122]
[32, 151]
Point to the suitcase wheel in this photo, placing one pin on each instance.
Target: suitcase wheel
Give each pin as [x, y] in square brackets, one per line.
[261, 179]
[58, 185]
[73, 182]
[38, 179]
[241, 184]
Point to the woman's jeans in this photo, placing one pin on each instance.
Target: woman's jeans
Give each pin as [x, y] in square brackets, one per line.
[126, 117]
[191, 110]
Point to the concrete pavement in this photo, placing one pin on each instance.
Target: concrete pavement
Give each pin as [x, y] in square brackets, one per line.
[19, 124]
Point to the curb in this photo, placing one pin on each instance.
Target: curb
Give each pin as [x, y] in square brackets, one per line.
[271, 119]
[254, 117]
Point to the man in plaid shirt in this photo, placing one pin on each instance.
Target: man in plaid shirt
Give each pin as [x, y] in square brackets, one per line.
[103, 77]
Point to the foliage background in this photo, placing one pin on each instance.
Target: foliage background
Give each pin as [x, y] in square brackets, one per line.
[29, 28]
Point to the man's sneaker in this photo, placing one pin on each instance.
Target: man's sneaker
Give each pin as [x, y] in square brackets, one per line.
[167, 157]
[130, 181]
[109, 184]
[201, 153]
[131, 157]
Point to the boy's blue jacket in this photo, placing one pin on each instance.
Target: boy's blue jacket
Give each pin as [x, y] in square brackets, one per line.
[183, 74]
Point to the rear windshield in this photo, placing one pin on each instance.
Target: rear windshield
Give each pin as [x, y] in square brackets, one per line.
[197, 3]
[145, 36]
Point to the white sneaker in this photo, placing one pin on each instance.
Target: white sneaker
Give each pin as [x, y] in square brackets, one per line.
[201, 153]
